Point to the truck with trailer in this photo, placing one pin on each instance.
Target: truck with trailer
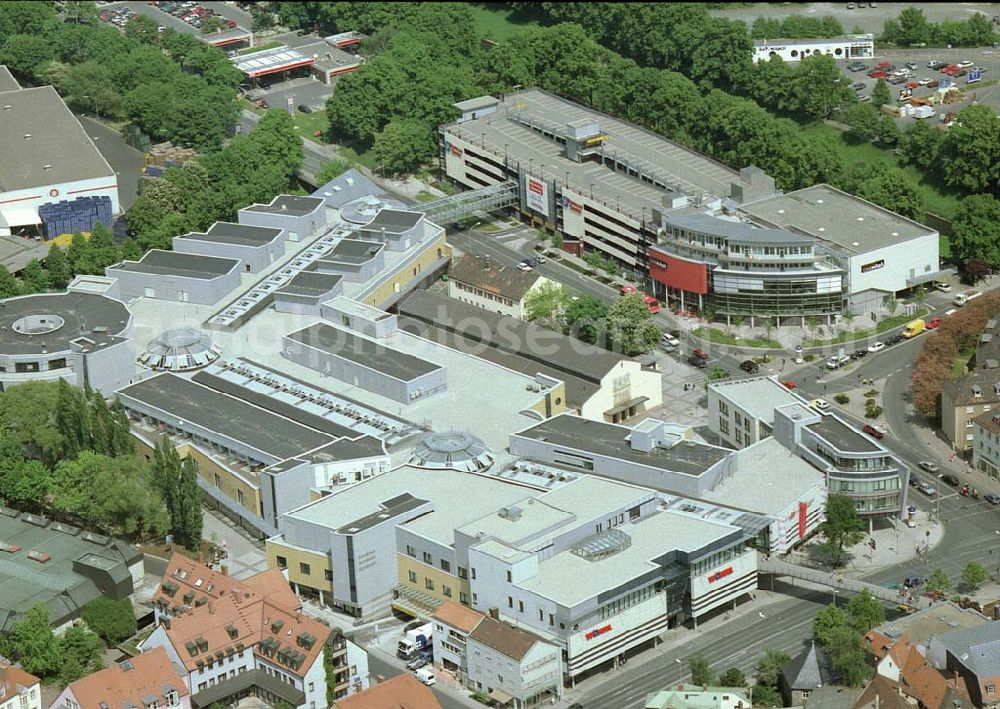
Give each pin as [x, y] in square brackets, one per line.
[415, 640]
[963, 298]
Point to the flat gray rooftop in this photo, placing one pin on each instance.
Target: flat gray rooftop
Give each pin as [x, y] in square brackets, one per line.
[690, 172]
[607, 439]
[43, 142]
[364, 352]
[175, 263]
[288, 204]
[328, 57]
[81, 314]
[354, 251]
[236, 234]
[393, 221]
[830, 215]
[735, 232]
[226, 415]
[310, 284]
[843, 436]
[542, 346]
[758, 396]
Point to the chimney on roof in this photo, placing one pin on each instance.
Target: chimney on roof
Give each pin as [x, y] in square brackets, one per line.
[224, 569]
[494, 613]
[165, 622]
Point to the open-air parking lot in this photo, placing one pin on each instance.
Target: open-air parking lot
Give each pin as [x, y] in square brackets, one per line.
[923, 81]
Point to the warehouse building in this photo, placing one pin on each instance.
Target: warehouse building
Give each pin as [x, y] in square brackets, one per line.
[365, 363]
[306, 291]
[300, 217]
[46, 162]
[257, 247]
[61, 566]
[177, 276]
[593, 178]
[879, 252]
[598, 384]
[82, 337]
[855, 46]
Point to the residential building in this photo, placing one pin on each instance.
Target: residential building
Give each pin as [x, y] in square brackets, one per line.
[965, 399]
[854, 46]
[18, 689]
[741, 411]
[808, 671]
[855, 465]
[988, 347]
[88, 566]
[690, 696]
[452, 624]
[921, 626]
[402, 691]
[508, 663]
[499, 288]
[986, 443]
[913, 677]
[883, 693]
[231, 639]
[596, 383]
[146, 680]
[973, 654]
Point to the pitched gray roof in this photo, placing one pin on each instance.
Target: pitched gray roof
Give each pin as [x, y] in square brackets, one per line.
[977, 648]
[808, 670]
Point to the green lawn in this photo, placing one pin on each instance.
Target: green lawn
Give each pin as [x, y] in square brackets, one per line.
[724, 338]
[935, 201]
[882, 326]
[308, 123]
[351, 155]
[497, 22]
[267, 45]
[425, 196]
[958, 367]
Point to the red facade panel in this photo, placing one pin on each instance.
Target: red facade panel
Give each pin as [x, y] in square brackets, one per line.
[679, 273]
[803, 514]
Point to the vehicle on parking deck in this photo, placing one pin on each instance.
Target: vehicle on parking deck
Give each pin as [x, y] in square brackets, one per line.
[949, 479]
[928, 466]
[878, 74]
[964, 64]
[935, 64]
[749, 366]
[859, 86]
[911, 66]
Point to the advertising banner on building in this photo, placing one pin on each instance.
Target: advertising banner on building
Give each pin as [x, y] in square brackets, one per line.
[536, 195]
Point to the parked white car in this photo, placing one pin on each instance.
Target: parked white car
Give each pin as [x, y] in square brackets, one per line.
[876, 347]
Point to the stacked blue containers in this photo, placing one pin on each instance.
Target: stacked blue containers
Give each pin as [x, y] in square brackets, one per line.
[80, 214]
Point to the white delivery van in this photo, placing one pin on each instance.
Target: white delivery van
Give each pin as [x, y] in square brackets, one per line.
[426, 675]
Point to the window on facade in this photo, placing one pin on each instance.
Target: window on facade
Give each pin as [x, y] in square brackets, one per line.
[218, 480]
[510, 602]
[446, 590]
[475, 598]
[327, 574]
[508, 576]
[463, 597]
[304, 568]
[410, 551]
[429, 584]
[724, 425]
[473, 570]
[520, 606]
[282, 562]
[412, 575]
[463, 573]
[427, 558]
[240, 497]
[446, 565]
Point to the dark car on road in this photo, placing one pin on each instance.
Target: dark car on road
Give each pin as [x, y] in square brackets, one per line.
[304, 108]
[696, 361]
[950, 480]
[893, 340]
[858, 354]
[749, 366]
[913, 581]
[992, 499]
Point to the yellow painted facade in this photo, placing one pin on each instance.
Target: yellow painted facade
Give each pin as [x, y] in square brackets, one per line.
[229, 483]
[440, 580]
[552, 403]
[416, 269]
[318, 565]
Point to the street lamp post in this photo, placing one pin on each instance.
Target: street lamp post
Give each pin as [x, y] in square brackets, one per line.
[835, 597]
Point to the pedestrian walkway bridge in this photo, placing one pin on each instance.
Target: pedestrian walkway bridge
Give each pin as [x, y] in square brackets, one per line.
[838, 582]
[466, 204]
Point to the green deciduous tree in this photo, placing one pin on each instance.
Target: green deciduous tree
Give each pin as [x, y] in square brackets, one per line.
[842, 527]
[865, 612]
[976, 230]
[332, 169]
[630, 326]
[881, 95]
[827, 622]
[34, 644]
[733, 677]
[970, 151]
[973, 576]
[848, 657]
[403, 146]
[546, 301]
[81, 654]
[586, 318]
[701, 671]
[938, 582]
[113, 621]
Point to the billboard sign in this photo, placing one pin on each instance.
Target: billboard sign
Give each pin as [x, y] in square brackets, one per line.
[974, 76]
[536, 195]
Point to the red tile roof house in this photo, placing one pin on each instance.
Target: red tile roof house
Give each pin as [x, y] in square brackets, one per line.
[233, 639]
[18, 689]
[149, 679]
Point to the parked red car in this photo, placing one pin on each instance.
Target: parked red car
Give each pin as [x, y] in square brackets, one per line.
[790, 385]
[931, 324]
[628, 290]
[700, 354]
[231, 24]
[951, 69]
[872, 431]
[878, 74]
[652, 303]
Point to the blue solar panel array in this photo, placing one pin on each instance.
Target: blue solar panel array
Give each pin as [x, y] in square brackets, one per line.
[80, 214]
